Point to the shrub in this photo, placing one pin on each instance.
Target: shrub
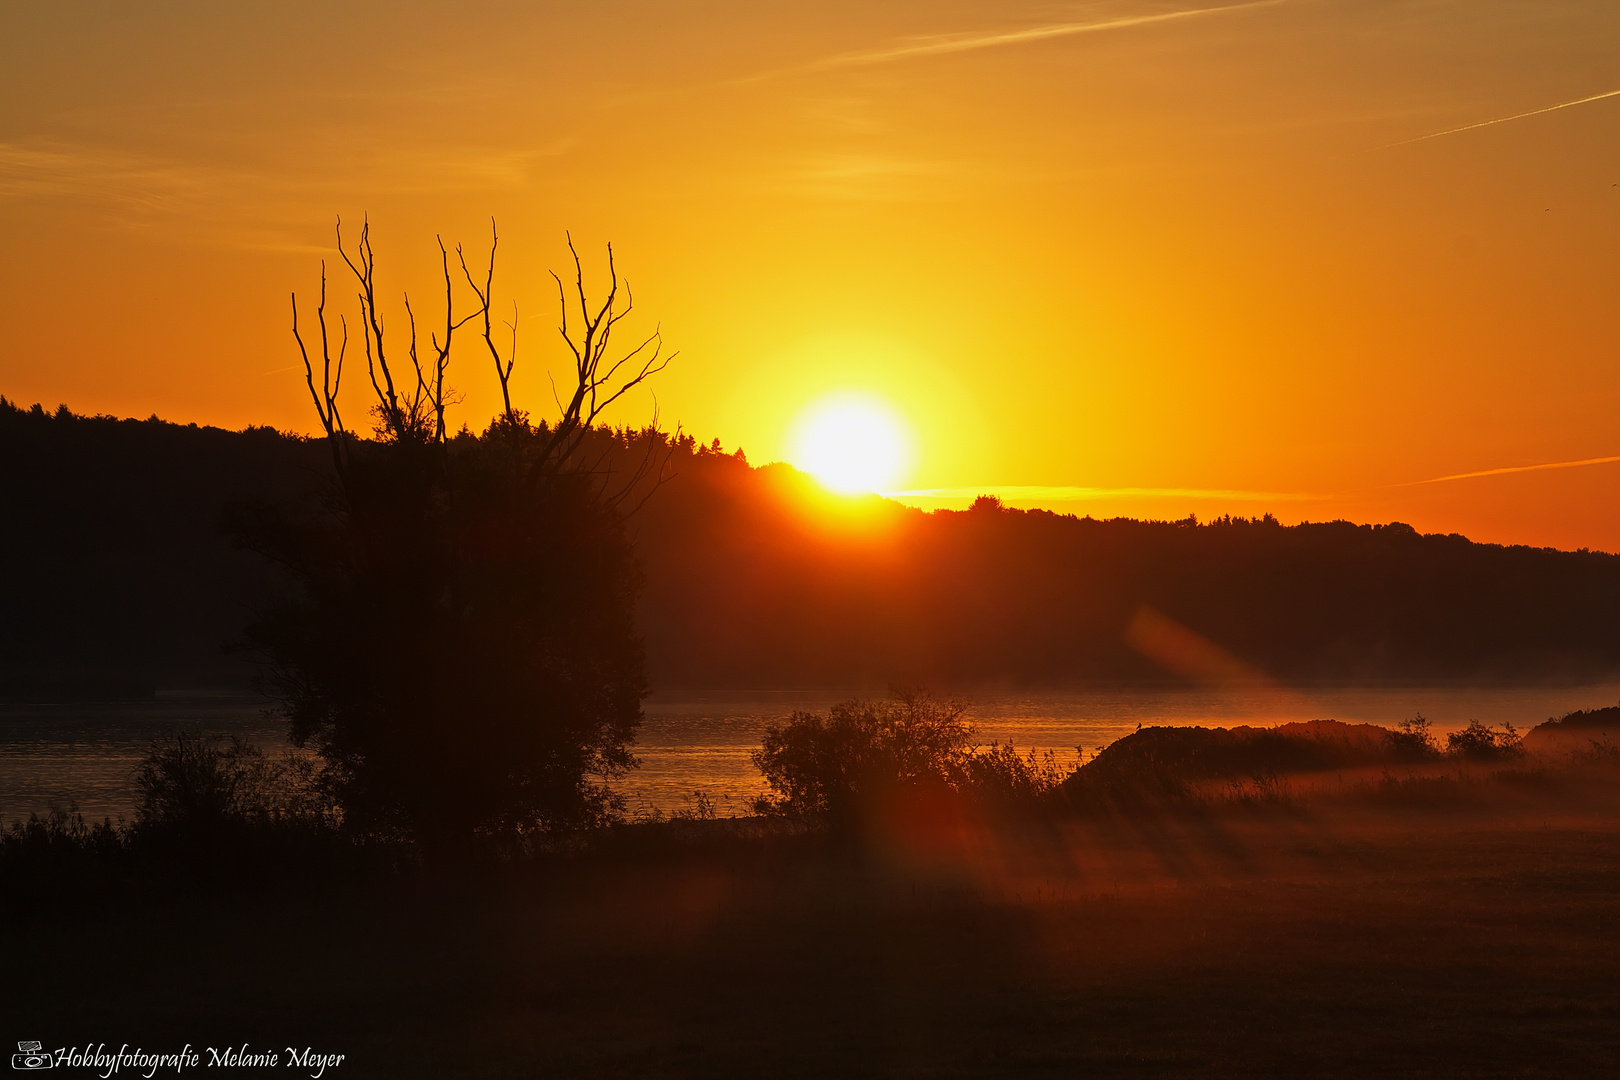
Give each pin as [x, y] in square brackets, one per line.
[194, 783]
[61, 830]
[861, 751]
[1000, 776]
[1412, 741]
[1477, 742]
[50, 862]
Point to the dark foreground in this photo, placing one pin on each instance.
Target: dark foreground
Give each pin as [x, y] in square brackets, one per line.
[1337, 939]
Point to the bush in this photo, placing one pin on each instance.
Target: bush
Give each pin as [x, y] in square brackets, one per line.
[62, 832]
[47, 860]
[1412, 741]
[1477, 742]
[862, 751]
[194, 783]
[1000, 776]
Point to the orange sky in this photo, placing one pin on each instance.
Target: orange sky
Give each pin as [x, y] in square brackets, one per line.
[1105, 257]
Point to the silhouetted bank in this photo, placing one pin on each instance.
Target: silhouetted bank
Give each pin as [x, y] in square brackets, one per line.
[121, 578]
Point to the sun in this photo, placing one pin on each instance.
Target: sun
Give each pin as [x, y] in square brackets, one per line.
[851, 442]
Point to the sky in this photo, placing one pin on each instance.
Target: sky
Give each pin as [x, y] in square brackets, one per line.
[1110, 258]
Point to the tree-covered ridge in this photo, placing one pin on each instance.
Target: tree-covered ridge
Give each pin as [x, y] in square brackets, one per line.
[747, 589]
[122, 574]
[119, 576]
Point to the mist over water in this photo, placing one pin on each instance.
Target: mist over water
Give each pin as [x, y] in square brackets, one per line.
[87, 752]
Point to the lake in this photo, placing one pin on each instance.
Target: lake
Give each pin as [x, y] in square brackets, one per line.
[86, 753]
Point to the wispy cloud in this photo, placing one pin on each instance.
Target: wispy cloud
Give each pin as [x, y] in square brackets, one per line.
[128, 179]
[1504, 120]
[1036, 493]
[246, 204]
[874, 177]
[944, 44]
[1515, 469]
[1041, 493]
[153, 181]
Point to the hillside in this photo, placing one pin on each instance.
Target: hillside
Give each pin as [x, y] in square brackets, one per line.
[122, 578]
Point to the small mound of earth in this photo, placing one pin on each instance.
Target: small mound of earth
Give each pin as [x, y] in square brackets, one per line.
[1159, 761]
[1578, 731]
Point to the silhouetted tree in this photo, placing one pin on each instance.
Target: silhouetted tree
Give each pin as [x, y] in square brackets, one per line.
[851, 763]
[862, 751]
[1412, 740]
[463, 655]
[1478, 742]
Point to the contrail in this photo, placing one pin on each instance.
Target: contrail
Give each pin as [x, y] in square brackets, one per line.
[955, 43]
[1503, 120]
[1515, 469]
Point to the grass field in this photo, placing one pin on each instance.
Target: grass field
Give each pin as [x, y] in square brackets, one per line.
[1390, 936]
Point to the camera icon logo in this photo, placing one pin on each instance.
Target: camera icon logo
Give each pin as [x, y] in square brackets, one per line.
[31, 1057]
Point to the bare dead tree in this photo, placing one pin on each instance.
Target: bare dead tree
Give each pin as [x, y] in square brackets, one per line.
[601, 378]
[481, 587]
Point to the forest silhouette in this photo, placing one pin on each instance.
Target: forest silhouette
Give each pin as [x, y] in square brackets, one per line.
[126, 579]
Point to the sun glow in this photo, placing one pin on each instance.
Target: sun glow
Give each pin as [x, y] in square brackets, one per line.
[851, 443]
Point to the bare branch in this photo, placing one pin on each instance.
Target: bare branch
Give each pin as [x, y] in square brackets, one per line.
[325, 399]
[365, 274]
[337, 378]
[442, 362]
[503, 369]
[421, 383]
[579, 279]
[603, 376]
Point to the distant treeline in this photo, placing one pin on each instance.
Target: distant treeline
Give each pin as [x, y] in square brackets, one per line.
[121, 575]
[118, 575]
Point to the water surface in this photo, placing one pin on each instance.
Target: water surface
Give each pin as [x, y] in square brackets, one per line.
[87, 753]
